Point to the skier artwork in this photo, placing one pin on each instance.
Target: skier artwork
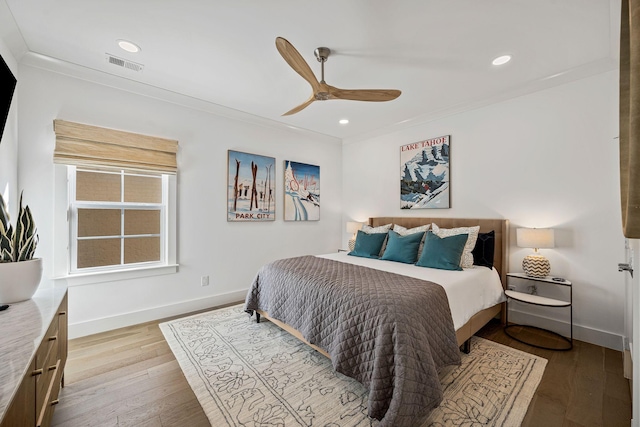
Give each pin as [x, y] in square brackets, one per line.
[251, 187]
[301, 191]
[424, 174]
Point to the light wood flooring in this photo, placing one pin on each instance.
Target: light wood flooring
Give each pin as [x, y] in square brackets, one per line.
[129, 377]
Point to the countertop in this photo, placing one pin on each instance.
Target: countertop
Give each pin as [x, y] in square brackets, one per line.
[22, 328]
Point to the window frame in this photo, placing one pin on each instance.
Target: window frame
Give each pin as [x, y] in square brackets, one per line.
[74, 205]
[66, 230]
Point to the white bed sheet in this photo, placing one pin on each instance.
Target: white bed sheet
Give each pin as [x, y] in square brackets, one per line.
[469, 291]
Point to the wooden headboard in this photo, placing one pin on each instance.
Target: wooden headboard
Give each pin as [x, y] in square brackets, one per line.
[500, 226]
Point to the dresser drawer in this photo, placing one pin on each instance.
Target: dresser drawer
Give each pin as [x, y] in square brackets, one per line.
[48, 341]
[46, 361]
[45, 411]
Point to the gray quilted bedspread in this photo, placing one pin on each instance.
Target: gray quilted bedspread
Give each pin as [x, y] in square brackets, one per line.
[391, 333]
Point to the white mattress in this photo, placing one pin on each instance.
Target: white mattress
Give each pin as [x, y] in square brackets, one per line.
[469, 291]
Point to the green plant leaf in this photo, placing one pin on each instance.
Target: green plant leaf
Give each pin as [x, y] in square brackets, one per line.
[19, 244]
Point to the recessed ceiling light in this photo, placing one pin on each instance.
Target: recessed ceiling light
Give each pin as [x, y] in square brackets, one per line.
[500, 60]
[128, 46]
[343, 121]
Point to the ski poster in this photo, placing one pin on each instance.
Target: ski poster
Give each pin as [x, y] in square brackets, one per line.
[424, 174]
[301, 191]
[251, 187]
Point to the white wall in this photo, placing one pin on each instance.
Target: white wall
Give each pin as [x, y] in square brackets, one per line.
[547, 159]
[9, 141]
[230, 253]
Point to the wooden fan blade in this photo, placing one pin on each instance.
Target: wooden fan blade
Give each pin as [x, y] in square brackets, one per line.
[296, 61]
[371, 95]
[300, 107]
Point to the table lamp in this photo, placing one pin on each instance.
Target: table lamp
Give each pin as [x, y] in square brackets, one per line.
[352, 228]
[535, 265]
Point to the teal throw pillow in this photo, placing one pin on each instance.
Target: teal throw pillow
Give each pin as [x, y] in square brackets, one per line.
[443, 253]
[402, 248]
[368, 245]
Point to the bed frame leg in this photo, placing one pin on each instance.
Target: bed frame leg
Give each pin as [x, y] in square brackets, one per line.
[257, 317]
[466, 346]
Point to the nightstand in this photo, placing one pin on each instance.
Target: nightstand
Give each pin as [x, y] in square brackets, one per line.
[540, 301]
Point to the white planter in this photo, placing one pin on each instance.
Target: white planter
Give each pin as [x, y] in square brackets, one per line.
[19, 280]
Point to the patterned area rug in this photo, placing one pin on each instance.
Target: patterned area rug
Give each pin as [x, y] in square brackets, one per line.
[257, 375]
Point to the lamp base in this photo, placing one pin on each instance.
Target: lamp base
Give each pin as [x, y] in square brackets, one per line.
[536, 266]
[352, 244]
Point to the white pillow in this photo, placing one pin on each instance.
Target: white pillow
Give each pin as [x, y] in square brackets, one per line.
[406, 231]
[375, 230]
[466, 261]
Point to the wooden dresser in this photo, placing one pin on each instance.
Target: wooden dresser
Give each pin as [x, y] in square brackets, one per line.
[33, 343]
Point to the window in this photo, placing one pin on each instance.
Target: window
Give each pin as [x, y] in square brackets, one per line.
[115, 204]
[117, 219]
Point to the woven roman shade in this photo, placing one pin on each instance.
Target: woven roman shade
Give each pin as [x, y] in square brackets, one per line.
[85, 145]
[630, 118]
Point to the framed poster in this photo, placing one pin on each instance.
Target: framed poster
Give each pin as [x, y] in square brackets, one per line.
[251, 187]
[424, 174]
[301, 191]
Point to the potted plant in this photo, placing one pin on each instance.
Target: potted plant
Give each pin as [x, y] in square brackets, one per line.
[20, 273]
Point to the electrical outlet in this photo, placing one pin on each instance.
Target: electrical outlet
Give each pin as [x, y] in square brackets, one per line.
[204, 281]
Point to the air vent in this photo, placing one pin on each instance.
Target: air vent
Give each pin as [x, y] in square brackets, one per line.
[124, 63]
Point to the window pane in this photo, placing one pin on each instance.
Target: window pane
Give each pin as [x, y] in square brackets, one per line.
[97, 187]
[98, 252]
[141, 221]
[98, 222]
[141, 249]
[142, 189]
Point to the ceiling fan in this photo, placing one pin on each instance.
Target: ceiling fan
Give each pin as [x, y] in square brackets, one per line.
[321, 90]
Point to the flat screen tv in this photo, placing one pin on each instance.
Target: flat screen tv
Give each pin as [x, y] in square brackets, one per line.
[7, 87]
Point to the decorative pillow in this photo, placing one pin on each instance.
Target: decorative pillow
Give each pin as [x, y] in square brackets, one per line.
[484, 250]
[368, 245]
[406, 231]
[472, 232]
[443, 253]
[379, 229]
[373, 230]
[402, 248]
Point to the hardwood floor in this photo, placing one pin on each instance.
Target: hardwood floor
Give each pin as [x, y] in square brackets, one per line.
[129, 377]
[581, 387]
[126, 377]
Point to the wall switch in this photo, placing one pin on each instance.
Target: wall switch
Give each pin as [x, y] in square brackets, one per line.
[204, 281]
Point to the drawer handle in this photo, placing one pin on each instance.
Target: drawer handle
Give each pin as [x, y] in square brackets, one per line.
[37, 372]
[55, 402]
[53, 338]
[52, 367]
[62, 313]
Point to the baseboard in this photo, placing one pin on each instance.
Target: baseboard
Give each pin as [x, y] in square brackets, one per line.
[581, 333]
[95, 326]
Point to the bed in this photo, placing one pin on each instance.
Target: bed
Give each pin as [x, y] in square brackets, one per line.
[397, 362]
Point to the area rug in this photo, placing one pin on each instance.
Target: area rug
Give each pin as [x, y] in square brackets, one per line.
[255, 374]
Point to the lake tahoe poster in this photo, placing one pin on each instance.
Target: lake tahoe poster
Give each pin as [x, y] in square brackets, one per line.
[424, 174]
[301, 191]
[251, 187]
